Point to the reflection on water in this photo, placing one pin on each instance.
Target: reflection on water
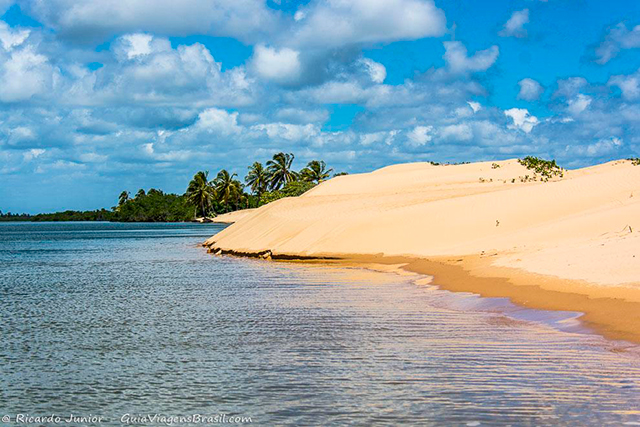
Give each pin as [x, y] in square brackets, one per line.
[111, 319]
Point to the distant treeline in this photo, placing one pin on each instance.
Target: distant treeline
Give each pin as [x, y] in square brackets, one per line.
[203, 197]
[97, 215]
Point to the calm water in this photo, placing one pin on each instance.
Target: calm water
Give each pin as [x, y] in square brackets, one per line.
[114, 319]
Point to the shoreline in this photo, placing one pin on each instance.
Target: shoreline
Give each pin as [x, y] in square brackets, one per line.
[613, 312]
[567, 242]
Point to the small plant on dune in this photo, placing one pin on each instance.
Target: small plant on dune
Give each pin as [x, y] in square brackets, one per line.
[635, 161]
[494, 166]
[546, 168]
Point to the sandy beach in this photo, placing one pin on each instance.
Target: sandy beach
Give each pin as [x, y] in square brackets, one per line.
[495, 228]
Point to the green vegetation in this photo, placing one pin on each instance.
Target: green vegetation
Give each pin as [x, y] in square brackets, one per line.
[97, 215]
[546, 168]
[292, 189]
[154, 206]
[204, 197]
[635, 161]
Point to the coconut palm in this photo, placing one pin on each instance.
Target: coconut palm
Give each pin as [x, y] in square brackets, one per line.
[257, 178]
[200, 192]
[124, 197]
[316, 171]
[280, 170]
[229, 190]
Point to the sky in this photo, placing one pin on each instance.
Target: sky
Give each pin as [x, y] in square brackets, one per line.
[101, 96]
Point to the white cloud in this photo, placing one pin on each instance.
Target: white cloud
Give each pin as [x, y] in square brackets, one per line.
[137, 44]
[375, 137]
[600, 148]
[530, 90]
[475, 106]
[218, 121]
[618, 38]
[89, 20]
[376, 71]
[578, 104]
[281, 65]
[522, 119]
[629, 85]
[10, 37]
[458, 62]
[298, 115]
[336, 23]
[25, 73]
[34, 153]
[457, 132]
[514, 27]
[420, 135]
[287, 131]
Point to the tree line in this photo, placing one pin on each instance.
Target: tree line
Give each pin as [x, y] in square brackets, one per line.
[204, 197]
[224, 193]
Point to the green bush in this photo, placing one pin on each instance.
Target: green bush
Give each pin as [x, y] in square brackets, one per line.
[546, 168]
[635, 161]
[291, 189]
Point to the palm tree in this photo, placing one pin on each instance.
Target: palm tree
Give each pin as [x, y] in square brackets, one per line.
[124, 197]
[316, 171]
[140, 193]
[280, 170]
[229, 189]
[200, 192]
[257, 178]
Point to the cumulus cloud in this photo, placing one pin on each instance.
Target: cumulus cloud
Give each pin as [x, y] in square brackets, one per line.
[420, 135]
[597, 149]
[25, 73]
[287, 131]
[530, 90]
[376, 71]
[279, 65]
[514, 27]
[218, 121]
[522, 119]
[11, 37]
[336, 23]
[629, 85]
[578, 104]
[459, 62]
[457, 132]
[475, 106]
[617, 39]
[92, 20]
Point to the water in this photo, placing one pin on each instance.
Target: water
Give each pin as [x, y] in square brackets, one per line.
[114, 319]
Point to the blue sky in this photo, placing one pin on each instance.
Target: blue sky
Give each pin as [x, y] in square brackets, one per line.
[101, 96]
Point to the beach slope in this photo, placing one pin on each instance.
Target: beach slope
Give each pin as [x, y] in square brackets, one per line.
[575, 234]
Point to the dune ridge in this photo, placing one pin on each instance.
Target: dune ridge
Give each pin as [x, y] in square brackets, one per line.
[577, 234]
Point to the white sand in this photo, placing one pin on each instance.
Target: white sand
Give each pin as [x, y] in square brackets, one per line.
[583, 226]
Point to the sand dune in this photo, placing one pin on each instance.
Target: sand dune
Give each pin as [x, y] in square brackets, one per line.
[583, 227]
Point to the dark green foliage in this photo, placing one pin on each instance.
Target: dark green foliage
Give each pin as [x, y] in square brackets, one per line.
[203, 197]
[635, 161]
[280, 172]
[292, 189]
[97, 215]
[155, 206]
[546, 168]
[316, 171]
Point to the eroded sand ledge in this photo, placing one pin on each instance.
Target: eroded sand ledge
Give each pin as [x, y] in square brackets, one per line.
[568, 244]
